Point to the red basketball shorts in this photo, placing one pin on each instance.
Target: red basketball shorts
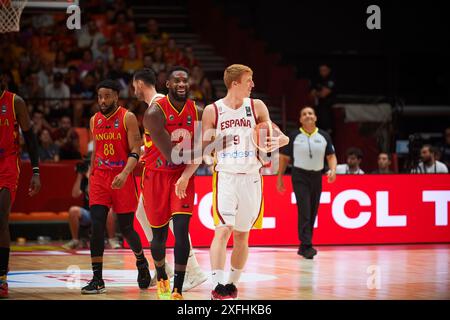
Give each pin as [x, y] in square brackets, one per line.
[9, 174]
[122, 200]
[160, 200]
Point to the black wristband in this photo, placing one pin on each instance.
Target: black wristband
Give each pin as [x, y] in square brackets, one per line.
[133, 155]
[36, 170]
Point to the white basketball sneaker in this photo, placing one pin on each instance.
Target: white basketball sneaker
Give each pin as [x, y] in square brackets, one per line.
[194, 278]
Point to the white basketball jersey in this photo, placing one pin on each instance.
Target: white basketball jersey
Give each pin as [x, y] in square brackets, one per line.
[156, 97]
[241, 156]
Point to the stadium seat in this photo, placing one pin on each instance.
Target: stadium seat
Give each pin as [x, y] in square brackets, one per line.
[84, 136]
[48, 216]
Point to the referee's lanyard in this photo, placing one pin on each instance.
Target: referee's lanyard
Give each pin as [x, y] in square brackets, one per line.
[309, 146]
[309, 137]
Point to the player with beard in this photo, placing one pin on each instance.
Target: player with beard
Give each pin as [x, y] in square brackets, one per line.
[117, 143]
[144, 82]
[164, 121]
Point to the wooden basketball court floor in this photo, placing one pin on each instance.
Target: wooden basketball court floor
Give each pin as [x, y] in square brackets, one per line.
[337, 272]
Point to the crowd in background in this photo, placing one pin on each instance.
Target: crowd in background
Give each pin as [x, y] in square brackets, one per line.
[56, 71]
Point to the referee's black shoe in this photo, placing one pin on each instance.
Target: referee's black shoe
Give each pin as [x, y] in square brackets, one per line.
[307, 252]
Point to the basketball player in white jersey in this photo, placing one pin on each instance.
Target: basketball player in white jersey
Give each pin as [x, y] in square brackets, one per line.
[237, 183]
[144, 88]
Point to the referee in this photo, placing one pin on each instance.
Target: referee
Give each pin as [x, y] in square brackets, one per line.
[307, 148]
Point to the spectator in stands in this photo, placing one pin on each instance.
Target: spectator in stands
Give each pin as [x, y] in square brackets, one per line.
[428, 163]
[190, 60]
[384, 163]
[148, 61]
[87, 64]
[119, 46]
[35, 62]
[48, 151]
[158, 60]
[58, 94]
[132, 62]
[30, 89]
[354, 158]
[445, 148]
[86, 92]
[99, 71]
[89, 37]
[50, 53]
[172, 54]
[39, 123]
[22, 72]
[7, 81]
[104, 51]
[45, 75]
[119, 74]
[324, 93]
[73, 80]
[80, 217]
[125, 26]
[207, 90]
[152, 38]
[60, 63]
[66, 138]
[161, 82]
[196, 76]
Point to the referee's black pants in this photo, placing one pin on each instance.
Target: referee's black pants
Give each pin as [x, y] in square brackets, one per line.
[307, 188]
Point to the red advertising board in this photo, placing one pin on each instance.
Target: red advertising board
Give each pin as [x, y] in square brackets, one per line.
[364, 209]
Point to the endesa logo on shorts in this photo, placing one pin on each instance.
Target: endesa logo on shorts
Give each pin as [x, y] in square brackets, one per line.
[237, 154]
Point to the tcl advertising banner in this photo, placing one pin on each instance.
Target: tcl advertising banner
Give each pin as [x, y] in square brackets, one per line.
[356, 209]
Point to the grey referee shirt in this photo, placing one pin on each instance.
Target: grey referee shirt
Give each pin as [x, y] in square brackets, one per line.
[308, 151]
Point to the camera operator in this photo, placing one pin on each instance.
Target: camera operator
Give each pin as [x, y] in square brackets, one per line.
[429, 164]
[80, 217]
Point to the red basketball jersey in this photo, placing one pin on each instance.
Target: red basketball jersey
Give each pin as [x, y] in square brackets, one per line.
[111, 141]
[9, 127]
[177, 124]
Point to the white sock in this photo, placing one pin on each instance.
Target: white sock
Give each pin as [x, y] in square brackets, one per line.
[235, 275]
[217, 277]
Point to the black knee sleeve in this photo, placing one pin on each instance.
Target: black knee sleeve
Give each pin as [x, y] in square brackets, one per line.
[158, 246]
[99, 215]
[181, 233]
[125, 221]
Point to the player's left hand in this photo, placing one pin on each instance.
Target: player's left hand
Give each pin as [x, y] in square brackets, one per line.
[181, 186]
[274, 143]
[119, 181]
[35, 185]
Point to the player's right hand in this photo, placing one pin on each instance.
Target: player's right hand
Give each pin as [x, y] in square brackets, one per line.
[280, 185]
[119, 181]
[181, 186]
[35, 185]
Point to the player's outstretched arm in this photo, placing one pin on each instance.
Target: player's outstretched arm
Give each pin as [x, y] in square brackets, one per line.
[23, 119]
[134, 141]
